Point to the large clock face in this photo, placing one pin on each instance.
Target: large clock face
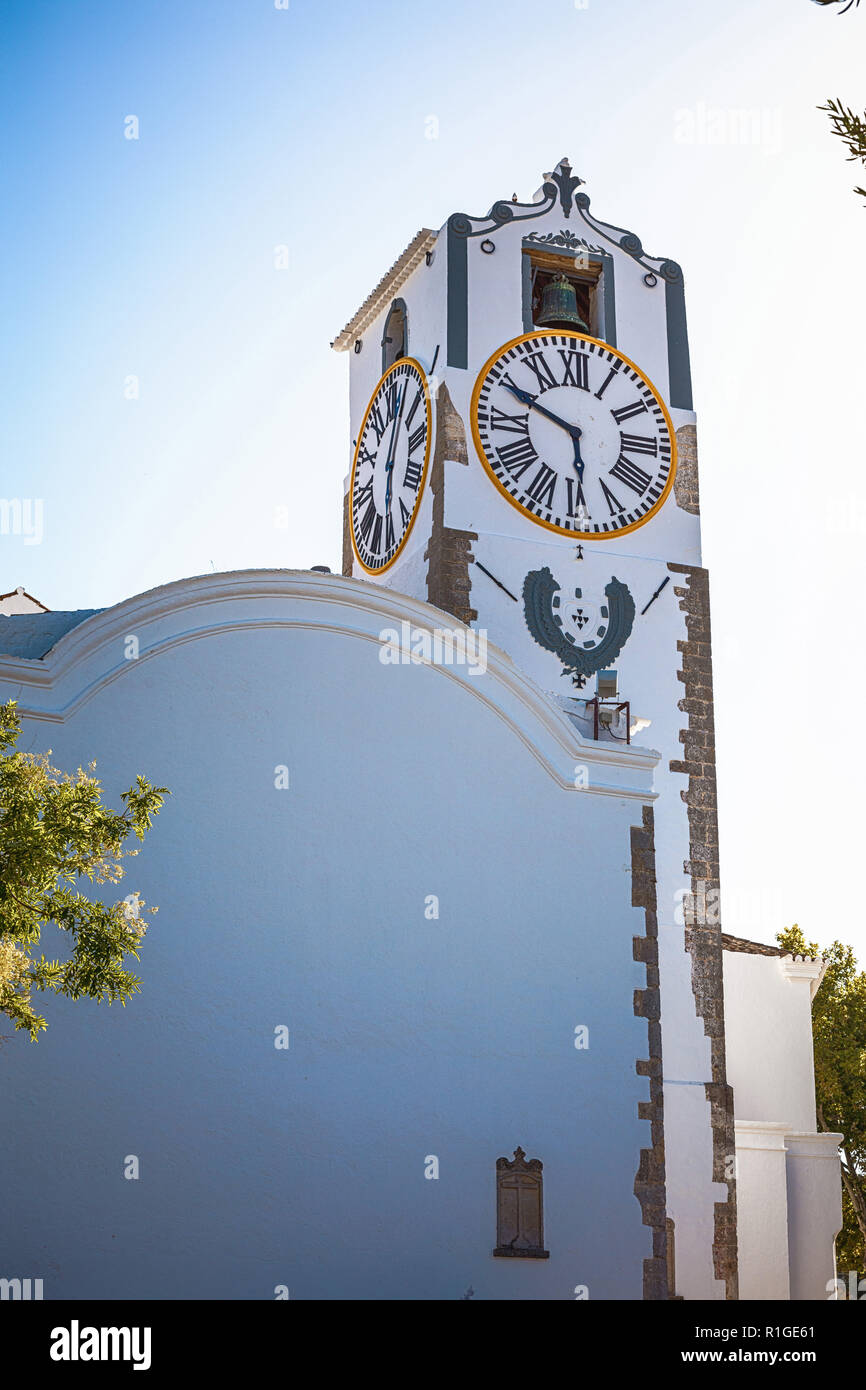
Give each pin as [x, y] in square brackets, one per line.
[573, 434]
[390, 465]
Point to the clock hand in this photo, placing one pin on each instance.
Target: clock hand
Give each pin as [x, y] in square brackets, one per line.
[526, 398]
[389, 462]
[397, 413]
[389, 469]
[578, 461]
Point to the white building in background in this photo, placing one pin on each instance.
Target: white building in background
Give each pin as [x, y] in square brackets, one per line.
[437, 998]
[19, 601]
[789, 1204]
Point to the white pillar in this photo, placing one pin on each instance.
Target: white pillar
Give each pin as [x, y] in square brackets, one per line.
[762, 1210]
[814, 1212]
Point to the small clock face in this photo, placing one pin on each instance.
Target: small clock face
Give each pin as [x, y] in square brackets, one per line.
[390, 465]
[573, 434]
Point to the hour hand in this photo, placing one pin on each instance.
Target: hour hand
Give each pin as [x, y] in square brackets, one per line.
[578, 461]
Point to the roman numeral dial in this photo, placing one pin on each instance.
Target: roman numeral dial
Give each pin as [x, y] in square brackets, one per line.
[573, 434]
[389, 468]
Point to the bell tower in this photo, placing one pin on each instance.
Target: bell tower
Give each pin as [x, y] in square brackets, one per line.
[528, 465]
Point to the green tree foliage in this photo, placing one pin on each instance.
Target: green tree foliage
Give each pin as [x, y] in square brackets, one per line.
[844, 122]
[54, 833]
[851, 130]
[839, 1033]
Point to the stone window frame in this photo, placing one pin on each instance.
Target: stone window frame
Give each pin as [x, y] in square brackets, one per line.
[597, 273]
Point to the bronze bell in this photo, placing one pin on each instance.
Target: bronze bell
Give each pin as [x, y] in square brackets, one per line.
[559, 306]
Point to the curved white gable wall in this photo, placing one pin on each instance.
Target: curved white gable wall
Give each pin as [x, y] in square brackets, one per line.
[306, 908]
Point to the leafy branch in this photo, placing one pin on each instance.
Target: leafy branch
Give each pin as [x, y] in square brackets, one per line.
[851, 130]
[839, 2]
[55, 833]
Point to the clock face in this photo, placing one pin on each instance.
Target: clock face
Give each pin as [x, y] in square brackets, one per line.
[390, 465]
[573, 434]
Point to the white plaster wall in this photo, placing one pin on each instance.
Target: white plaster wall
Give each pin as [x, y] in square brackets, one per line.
[305, 907]
[814, 1212]
[762, 1212]
[768, 1025]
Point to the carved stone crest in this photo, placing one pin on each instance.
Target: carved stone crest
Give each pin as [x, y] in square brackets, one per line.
[585, 631]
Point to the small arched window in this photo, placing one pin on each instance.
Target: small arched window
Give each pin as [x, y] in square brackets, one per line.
[395, 339]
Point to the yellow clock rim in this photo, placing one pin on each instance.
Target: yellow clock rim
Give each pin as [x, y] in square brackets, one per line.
[401, 362]
[539, 521]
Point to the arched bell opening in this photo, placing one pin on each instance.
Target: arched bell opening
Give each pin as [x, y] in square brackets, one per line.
[395, 339]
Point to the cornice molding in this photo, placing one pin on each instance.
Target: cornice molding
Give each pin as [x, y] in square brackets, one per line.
[381, 296]
[778, 1135]
[808, 968]
[761, 1134]
[90, 657]
[811, 1144]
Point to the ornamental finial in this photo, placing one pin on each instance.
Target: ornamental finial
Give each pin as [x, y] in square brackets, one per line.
[566, 182]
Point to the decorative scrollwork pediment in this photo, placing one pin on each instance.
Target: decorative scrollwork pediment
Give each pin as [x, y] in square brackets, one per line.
[629, 243]
[560, 184]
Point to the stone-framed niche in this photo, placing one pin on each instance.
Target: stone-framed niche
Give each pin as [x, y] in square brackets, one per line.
[520, 1207]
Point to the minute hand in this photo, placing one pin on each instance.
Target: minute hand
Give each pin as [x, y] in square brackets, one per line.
[389, 462]
[526, 398]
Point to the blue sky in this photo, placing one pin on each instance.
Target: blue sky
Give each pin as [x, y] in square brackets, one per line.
[308, 128]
